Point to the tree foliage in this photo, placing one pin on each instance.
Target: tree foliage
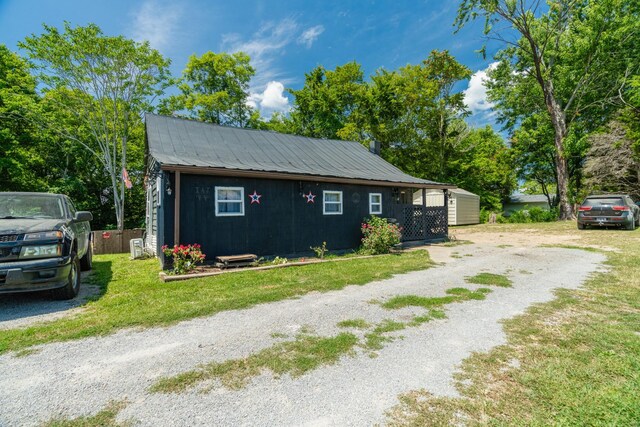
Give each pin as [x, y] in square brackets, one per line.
[613, 165]
[20, 159]
[483, 164]
[330, 102]
[568, 61]
[98, 86]
[214, 88]
[414, 113]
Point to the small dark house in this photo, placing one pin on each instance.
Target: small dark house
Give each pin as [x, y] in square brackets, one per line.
[238, 191]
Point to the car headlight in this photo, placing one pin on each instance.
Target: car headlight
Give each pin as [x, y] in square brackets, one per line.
[42, 251]
[43, 235]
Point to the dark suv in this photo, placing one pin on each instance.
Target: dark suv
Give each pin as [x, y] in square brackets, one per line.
[44, 243]
[609, 210]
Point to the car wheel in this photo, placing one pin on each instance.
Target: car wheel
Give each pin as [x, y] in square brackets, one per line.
[580, 226]
[86, 262]
[631, 226]
[72, 287]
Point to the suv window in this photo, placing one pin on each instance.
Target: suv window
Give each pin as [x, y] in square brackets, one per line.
[603, 201]
[72, 209]
[19, 205]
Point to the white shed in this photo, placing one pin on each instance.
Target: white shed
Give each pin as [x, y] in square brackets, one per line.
[464, 207]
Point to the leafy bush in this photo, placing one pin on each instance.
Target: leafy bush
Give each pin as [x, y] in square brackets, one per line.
[320, 250]
[279, 260]
[534, 214]
[484, 215]
[185, 258]
[379, 236]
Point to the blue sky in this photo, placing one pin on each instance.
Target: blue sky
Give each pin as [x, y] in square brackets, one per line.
[284, 38]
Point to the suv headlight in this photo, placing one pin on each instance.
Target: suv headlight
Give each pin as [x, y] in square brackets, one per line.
[43, 235]
[41, 251]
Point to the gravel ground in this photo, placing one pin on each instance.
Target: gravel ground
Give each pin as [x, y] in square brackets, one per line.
[18, 310]
[81, 377]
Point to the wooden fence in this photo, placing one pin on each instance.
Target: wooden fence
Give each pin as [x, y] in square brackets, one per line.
[114, 241]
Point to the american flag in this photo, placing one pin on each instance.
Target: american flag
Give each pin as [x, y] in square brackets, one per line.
[125, 178]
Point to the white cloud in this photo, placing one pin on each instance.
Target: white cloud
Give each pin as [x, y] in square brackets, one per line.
[271, 99]
[263, 47]
[157, 22]
[475, 96]
[310, 35]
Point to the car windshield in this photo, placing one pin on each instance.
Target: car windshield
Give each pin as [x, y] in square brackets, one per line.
[30, 206]
[603, 201]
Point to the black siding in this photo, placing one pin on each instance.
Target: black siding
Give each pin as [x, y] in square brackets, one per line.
[282, 224]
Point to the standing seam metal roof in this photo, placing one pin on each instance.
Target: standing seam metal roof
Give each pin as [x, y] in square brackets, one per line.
[182, 142]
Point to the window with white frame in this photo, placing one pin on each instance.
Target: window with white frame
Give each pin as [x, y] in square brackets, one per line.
[375, 203]
[332, 202]
[229, 201]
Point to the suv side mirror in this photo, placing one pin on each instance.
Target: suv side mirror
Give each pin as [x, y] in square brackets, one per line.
[83, 216]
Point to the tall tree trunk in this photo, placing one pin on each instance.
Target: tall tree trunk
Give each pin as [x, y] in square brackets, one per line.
[562, 169]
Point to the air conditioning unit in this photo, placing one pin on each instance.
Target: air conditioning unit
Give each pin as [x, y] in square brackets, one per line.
[136, 246]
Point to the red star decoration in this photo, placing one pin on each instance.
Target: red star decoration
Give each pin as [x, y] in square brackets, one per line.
[309, 197]
[255, 197]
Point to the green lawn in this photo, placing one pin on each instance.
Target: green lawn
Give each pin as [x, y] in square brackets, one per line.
[571, 362]
[134, 296]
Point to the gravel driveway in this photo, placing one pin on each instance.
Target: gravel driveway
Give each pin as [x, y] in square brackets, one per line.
[18, 310]
[81, 377]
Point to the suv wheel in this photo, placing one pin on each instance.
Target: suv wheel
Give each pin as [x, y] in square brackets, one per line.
[72, 287]
[580, 226]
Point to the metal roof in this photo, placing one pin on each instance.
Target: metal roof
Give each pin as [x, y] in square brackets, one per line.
[461, 191]
[529, 198]
[175, 142]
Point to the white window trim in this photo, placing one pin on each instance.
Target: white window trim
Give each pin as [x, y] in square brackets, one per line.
[241, 213]
[371, 204]
[159, 191]
[324, 203]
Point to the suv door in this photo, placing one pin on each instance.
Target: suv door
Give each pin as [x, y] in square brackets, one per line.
[82, 229]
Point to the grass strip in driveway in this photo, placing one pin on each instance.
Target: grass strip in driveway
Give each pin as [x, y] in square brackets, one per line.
[573, 361]
[132, 295]
[453, 295]
[104, 418]
[490, 279]
[296, 358]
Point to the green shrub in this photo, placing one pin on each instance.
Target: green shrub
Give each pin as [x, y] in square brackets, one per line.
[519, 217]
[484, 215]
[379, 236]
[320, 251]
[534, 214]
[185, 257]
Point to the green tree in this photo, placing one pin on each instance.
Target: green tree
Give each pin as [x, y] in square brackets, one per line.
[483, 164]
[612, 164]
[102, 85]
[416, 115]
[214, 88]
[569, 61]
[20, 157]
[329, 101]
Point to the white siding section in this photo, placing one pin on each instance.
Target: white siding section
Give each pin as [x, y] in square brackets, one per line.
[464, 207]
[152, 216]
[467, 209]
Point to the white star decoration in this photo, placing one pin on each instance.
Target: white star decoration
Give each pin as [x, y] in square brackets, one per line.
[309, 197]
[255, 197]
